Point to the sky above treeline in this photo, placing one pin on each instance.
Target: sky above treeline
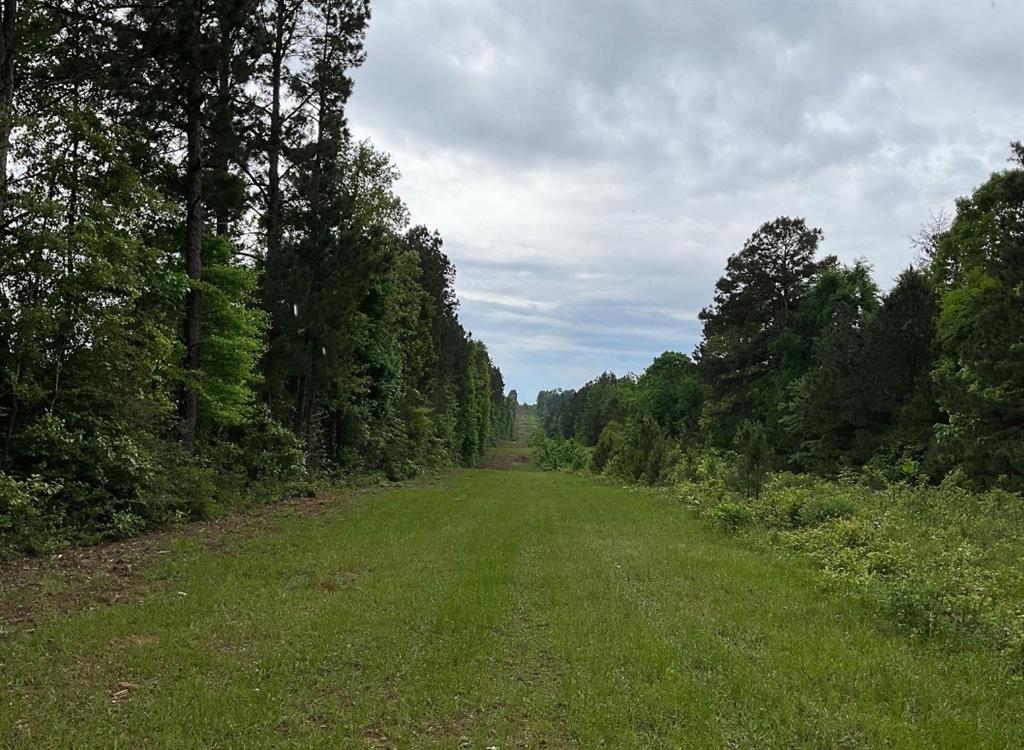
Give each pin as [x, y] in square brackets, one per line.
[592, 165]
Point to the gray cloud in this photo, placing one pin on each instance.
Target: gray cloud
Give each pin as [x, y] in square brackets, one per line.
[592, 165]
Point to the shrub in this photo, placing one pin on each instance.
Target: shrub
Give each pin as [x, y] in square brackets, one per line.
[95, 469]
[100, 455]
[823, 508]
[608, 444]
[731, 516]
[560, 454]
[27, 523]
[752, 443]
[638, 450]
[936, 560]
[268, 449]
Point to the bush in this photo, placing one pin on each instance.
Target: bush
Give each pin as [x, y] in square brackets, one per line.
[96, 454]
[96, 469]
[936, 560]
[559, 454]
[27, 523]
[637, 450]
[824, 508]
[92, 479]
[608, 444]
[731, 516]
[263, 448]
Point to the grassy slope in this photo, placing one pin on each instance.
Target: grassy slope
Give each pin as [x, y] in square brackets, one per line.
[504, 608]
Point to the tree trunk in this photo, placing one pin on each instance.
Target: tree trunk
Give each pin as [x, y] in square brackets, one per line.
[274, 146]
[8, 28]
[71, 220]
[274, 205]
[189, 404]
[224, 129]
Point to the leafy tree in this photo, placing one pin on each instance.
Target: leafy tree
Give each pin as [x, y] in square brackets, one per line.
[901, 349]
[749, 350]
[503, 408]
[827, 416]
[608, 445]
[141, 315]
[557, 410]
[476, 414]
[671, 392]
[979, 375]
[602, 400]
[233, 343]
[637, 450]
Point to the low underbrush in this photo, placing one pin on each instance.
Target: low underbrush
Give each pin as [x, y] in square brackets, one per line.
[88, 480]
[554, 454]
[936, 559]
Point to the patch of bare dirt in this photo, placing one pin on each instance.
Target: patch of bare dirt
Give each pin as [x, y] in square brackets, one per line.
[33, 589]
[504, 460]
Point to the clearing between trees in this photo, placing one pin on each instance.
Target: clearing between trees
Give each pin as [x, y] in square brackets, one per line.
[482, 608]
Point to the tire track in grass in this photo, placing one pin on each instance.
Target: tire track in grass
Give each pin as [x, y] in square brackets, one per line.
[760, 620]
[514, 609]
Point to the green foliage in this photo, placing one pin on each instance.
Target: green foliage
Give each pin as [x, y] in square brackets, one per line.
[752, 345]
[731, 516]
[234, 330]
[643, 453]
[671, 393]
[820, 509]
[608, 445]
[27, 520]
[260, 448]
[752, 444]
[556, 411]
[559, 454]
[867, 392]
[979, 375]
[476, 414]
[828, 410]
[142, 304]
[938, 560]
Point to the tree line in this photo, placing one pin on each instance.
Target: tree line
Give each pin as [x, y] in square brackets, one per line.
[805, 365]
[207, 284]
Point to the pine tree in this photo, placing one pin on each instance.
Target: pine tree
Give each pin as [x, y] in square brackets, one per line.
[749, 351]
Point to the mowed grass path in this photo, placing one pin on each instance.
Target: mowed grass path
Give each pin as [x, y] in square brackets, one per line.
[494, 609]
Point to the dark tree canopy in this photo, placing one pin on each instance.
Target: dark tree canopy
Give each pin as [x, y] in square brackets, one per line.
[750, 341]
[805, 365]
[209, 288]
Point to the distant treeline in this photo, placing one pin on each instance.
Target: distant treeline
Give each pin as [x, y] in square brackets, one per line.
[207, 286]
[804, 365]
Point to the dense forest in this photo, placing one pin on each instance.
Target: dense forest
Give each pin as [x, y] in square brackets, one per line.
[878, 436]
[805, 365]
[261, 486]
[209, 288]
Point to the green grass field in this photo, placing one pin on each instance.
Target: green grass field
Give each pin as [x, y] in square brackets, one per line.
[491, 608]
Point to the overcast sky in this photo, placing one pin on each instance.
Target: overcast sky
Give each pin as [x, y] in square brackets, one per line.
[591, 165]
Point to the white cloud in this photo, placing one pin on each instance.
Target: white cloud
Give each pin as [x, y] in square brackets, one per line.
[592, 171]
[505, 300]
